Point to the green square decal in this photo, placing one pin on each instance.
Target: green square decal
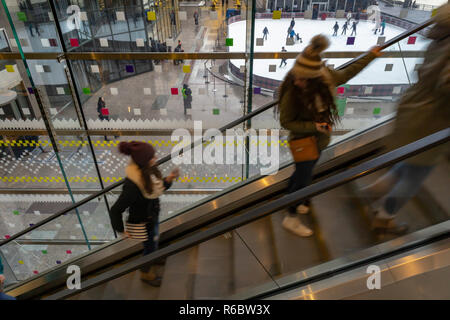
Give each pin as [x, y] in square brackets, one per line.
[341, 104]
[86, 90]
[229, 42]
[376, 111]
[216, 111]
[16, 212]
[44, 252]
[22, 16]
[66, 91]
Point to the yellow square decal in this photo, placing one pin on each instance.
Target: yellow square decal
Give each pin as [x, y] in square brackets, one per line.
[9, 68]
[276, 14]
[151, 16]
[187, 69]
[433, 12]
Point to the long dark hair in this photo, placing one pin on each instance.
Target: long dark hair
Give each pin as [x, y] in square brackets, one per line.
[306, 98]
[146, 172]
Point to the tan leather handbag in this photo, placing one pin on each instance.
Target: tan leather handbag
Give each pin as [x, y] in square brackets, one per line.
[304, 149]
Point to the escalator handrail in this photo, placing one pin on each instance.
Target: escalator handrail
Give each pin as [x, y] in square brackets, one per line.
[199, 141]
[315, 189]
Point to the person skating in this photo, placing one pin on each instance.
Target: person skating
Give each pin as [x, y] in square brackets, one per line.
[196, 18]
[422, 111]
[308, 111]
[292, 34]
[187, 97]
[292, 23]
[265, 33]
[335, 28]
[298, 38]
[283, 60]
[344, 28]
[354, 28]
[383, 25]
[349, 16]
[143, 186]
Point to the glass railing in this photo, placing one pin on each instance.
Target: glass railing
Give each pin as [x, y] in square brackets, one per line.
[260, 254]
[73, 153]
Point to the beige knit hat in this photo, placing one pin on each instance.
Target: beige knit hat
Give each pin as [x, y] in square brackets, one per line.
[308, 64]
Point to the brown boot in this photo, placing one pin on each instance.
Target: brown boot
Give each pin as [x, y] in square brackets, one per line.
[381, 225]
[151, 278]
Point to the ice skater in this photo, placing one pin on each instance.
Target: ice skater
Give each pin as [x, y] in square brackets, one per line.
[377, 27]
[289, 32]
[283, 60]
[335, 28]
[344, 28]
[354, 28]
[349, 16]
[383, 25]
[265, 33]
[292, 34]
[292, 23]
[298, 38]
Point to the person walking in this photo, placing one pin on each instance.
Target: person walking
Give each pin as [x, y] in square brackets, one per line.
[143, 186]
[308, 111]
[344, 28]
[196, 18]
[187, 97]
[3, 296]
[354, 28]
[335, 28]
[265, 33]
[383, 25]
[283, 60]
[422, 111]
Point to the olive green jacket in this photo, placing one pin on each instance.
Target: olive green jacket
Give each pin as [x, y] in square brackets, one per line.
[302, 125]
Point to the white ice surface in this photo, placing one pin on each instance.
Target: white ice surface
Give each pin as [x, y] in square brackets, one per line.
[365, 39]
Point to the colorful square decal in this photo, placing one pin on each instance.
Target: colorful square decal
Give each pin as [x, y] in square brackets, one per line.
[87, 90]
[74, 42]
[44, 251]
[187, 69]
[412, 40]
[95, 69]
[368, 90]
[397, 90]
[20, 262]
[9, 68]
[229, 42]
[45, 43]
[151, 16]
[104, 42]
[83, 16]
[216, 112]
[35, 272]
[58, 262]
[53, 42]
[30, 90]
[16, 212]
[69, 251]
[376, 111]
[340, 90]
[256, 90]
[350, 41]
[129, 68]
[174, 91]
[22, 16]
[276, 14]
[120, 15]
[7, 236]
[140, 43]
[60, 90]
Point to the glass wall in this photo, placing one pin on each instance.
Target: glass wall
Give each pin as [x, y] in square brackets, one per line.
[58, 145]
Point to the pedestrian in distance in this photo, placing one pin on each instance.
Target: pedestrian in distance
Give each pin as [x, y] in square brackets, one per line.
[422, 111]
[283, 61]
[344, 28]
[187, 97]
[383, 26]
[143, 186]
[196, 18]
[308, 111]
[335, 28]
[265, 33]
[354, 28]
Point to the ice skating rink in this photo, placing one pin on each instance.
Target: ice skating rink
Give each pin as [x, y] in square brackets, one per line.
[365, 39]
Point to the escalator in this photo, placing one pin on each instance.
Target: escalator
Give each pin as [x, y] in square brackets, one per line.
[250, 255]
[213, 268]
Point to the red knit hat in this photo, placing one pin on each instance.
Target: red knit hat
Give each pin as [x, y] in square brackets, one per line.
[140, 152]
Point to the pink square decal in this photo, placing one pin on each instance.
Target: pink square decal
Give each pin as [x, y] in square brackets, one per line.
[68, 251]
[74, 43]
[35, 272]
[412, 40]
[340, 90]
[174, 91]
[7, 236]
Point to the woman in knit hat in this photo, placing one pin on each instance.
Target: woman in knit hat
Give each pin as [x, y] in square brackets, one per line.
[308, 111]
[140, 194]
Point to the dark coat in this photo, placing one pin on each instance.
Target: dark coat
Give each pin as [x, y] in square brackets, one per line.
[141, 209]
